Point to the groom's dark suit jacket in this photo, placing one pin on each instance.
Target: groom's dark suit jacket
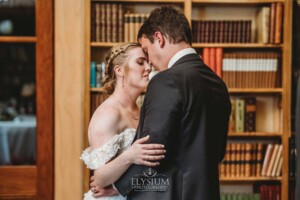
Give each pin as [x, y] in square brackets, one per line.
[187, 109]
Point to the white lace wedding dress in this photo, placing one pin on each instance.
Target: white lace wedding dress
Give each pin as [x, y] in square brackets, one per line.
[95, 158]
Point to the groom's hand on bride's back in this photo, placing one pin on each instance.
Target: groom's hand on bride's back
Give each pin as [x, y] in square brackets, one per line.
[101, 192]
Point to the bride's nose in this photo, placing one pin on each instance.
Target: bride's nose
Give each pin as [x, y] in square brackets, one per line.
[148, 68]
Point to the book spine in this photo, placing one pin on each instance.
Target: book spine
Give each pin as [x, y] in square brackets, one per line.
[233, 160]
[250, 114]
[121, 23]
[240, 103]
[102, 23]
[126, 28]
[108, 32]
[272, 23]
[259, 159]
[278, 23]
[114, 22]
[219, 58]
[131, 27]
[248, 160]
[93, 74]
[93, 22]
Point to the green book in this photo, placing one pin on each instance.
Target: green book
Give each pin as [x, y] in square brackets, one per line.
[229, 196]
[240, 115]
[234, 196]
[223, 196]
[246, 196]
[256, 196]
[240, 196]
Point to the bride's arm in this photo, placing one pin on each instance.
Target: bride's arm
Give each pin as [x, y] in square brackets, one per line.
[103, 127]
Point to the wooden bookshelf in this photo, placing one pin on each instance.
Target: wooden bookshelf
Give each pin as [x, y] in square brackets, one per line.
[255, 90]
[281, 92]
[18, 39]
[249, 179]
[96, 90]
[236, 2]
[254, 134]
[202, 45]
[139, 1]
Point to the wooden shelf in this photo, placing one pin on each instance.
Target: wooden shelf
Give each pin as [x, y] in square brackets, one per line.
[254, 134]
[248, 179]
[18, 39]
[139, 1]
[96, 89]
[103, 44]
[236, 45]
[235, 1]
[255, 90]
[231, 90]
[202, 45]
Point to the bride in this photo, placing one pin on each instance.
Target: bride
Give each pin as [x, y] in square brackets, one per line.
[113, 125]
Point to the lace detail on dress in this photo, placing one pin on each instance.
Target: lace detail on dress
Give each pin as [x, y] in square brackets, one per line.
[89, 196]
[95, 158]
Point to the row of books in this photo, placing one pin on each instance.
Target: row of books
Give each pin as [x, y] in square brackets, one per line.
[273, 160]
[132, 25]
[97, 74]
[243, 115]
[96, 100]
[262, 192]
[244, 69]
[269, 24]
[221, 31]
[250, 69]
[270, 192]
[247, 160]
[240, 196]
[213, 58]
[107, 22]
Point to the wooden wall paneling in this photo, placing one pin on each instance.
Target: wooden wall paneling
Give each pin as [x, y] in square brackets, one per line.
[69, 98]
[188, 10]
[87, 99]
[286, 96]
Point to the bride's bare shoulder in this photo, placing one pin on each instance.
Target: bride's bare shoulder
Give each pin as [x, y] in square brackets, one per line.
[104, 123]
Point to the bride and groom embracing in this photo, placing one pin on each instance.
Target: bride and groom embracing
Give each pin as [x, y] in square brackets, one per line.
[169, 150]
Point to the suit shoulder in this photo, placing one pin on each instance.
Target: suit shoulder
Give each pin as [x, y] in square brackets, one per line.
[163, 77]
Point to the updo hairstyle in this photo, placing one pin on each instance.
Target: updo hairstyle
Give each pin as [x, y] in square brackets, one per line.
[117, 55]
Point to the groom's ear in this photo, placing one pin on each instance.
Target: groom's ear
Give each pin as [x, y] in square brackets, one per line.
[160, 38]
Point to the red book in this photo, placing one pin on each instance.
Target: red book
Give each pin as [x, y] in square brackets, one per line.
[205, 56]
[219, 59]
[212, 59]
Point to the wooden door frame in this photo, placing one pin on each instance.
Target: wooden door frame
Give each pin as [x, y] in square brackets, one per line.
[37, 181]
[45, 98]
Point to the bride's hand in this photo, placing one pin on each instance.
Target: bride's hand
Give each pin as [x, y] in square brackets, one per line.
[145, 154]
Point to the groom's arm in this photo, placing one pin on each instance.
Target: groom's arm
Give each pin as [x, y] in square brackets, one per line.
[162, 108]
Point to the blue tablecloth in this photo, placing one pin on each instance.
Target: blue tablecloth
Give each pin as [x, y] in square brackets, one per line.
[18, 142]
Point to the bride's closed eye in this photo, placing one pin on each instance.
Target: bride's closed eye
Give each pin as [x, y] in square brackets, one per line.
[141, 61]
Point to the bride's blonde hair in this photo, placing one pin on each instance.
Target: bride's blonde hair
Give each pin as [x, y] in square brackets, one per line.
[117, 55]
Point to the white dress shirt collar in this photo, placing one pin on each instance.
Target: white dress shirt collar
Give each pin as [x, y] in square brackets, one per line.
[179, 55]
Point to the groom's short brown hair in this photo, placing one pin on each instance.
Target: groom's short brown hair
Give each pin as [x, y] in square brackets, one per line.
[171, 22]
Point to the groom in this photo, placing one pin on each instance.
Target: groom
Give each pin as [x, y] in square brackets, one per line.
[186, 108]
